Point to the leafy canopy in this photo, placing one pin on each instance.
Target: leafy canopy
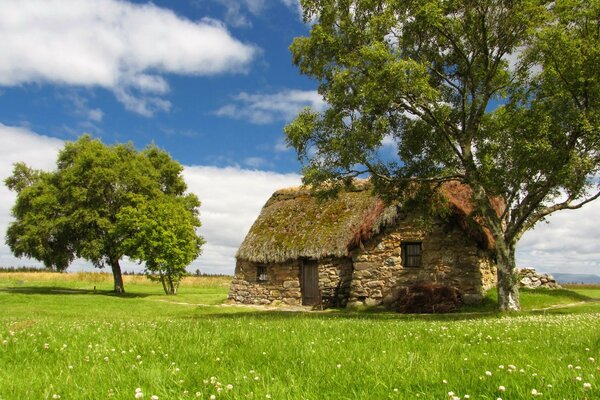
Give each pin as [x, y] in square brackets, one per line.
[102, 203]
[502, 95]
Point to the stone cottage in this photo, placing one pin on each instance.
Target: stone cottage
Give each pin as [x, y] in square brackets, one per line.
[354, 249]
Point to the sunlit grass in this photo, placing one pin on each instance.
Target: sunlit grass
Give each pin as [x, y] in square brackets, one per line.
[62, 338]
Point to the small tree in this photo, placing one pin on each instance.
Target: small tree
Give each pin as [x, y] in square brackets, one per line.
[162, 234]
[434, 79]
[76, 210]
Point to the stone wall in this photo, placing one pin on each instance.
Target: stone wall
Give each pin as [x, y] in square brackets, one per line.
[335, 276]
[530, 279]
[448, 257]
[283, 285]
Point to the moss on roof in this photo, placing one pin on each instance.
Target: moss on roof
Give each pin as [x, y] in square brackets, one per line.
[293, 224]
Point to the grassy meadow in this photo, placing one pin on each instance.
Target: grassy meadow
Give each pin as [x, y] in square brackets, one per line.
[66, 336]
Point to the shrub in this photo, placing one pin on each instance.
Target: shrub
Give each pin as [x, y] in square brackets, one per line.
[428, 298]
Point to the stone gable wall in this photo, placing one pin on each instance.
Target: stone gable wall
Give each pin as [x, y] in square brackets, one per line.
[449, 257]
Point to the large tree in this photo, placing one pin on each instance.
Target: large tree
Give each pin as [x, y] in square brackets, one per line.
[502, 95]
[84, 207]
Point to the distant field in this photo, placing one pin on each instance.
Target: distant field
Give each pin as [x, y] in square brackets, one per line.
[60, 337]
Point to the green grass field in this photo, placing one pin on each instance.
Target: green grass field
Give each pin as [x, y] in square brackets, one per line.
[60, 337]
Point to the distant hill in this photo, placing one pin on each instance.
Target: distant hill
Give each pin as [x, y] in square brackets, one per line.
[576, 278]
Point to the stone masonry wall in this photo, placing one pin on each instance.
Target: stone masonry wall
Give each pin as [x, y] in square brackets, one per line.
[448, 257]
[282, 286]
[529, 278]
[335, 275]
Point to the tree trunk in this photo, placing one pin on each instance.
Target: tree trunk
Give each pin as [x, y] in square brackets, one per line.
[117, 276]
[164, 283]
[508, 285]
[172, 286]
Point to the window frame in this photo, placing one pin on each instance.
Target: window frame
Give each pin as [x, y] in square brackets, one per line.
[262, 275]
[405, 254]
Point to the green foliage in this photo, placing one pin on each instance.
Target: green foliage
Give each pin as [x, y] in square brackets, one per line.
[162, 233]
[501, 95]
[101, 204]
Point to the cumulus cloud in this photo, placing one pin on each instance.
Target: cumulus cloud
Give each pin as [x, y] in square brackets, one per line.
[267, 108]
[568, 242]
[231, 200]
[117, 45]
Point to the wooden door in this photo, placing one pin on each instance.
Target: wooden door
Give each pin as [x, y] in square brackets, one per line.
[310, 283]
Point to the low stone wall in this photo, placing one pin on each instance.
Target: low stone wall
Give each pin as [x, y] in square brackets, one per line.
[529, 278]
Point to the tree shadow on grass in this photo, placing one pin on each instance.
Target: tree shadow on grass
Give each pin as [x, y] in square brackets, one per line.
[486, 310]
[57, 290]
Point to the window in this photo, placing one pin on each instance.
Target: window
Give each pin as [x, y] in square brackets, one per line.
[261, 273]
[411, 255]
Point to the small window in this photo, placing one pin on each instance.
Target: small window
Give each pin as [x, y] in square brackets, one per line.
[261, 273]
[411, 255]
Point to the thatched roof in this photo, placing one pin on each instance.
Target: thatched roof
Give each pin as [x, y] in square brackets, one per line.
[295, 224]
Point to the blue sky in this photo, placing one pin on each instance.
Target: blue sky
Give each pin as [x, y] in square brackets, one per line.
[210, 81]
[232, 113]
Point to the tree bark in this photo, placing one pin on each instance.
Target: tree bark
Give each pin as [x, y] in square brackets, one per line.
[117, 276]
[508, 286]
[164, 283]
[172, 286]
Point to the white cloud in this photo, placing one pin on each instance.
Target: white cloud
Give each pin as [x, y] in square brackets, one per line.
[236, 11]
[256, 162]
[268, 108]
[567, 243]
[281, 146]
[117, 45]
[235, 16]
[232, 198]
[81, 108]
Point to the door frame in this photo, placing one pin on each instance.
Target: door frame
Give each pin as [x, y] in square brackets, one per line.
[311, 278]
